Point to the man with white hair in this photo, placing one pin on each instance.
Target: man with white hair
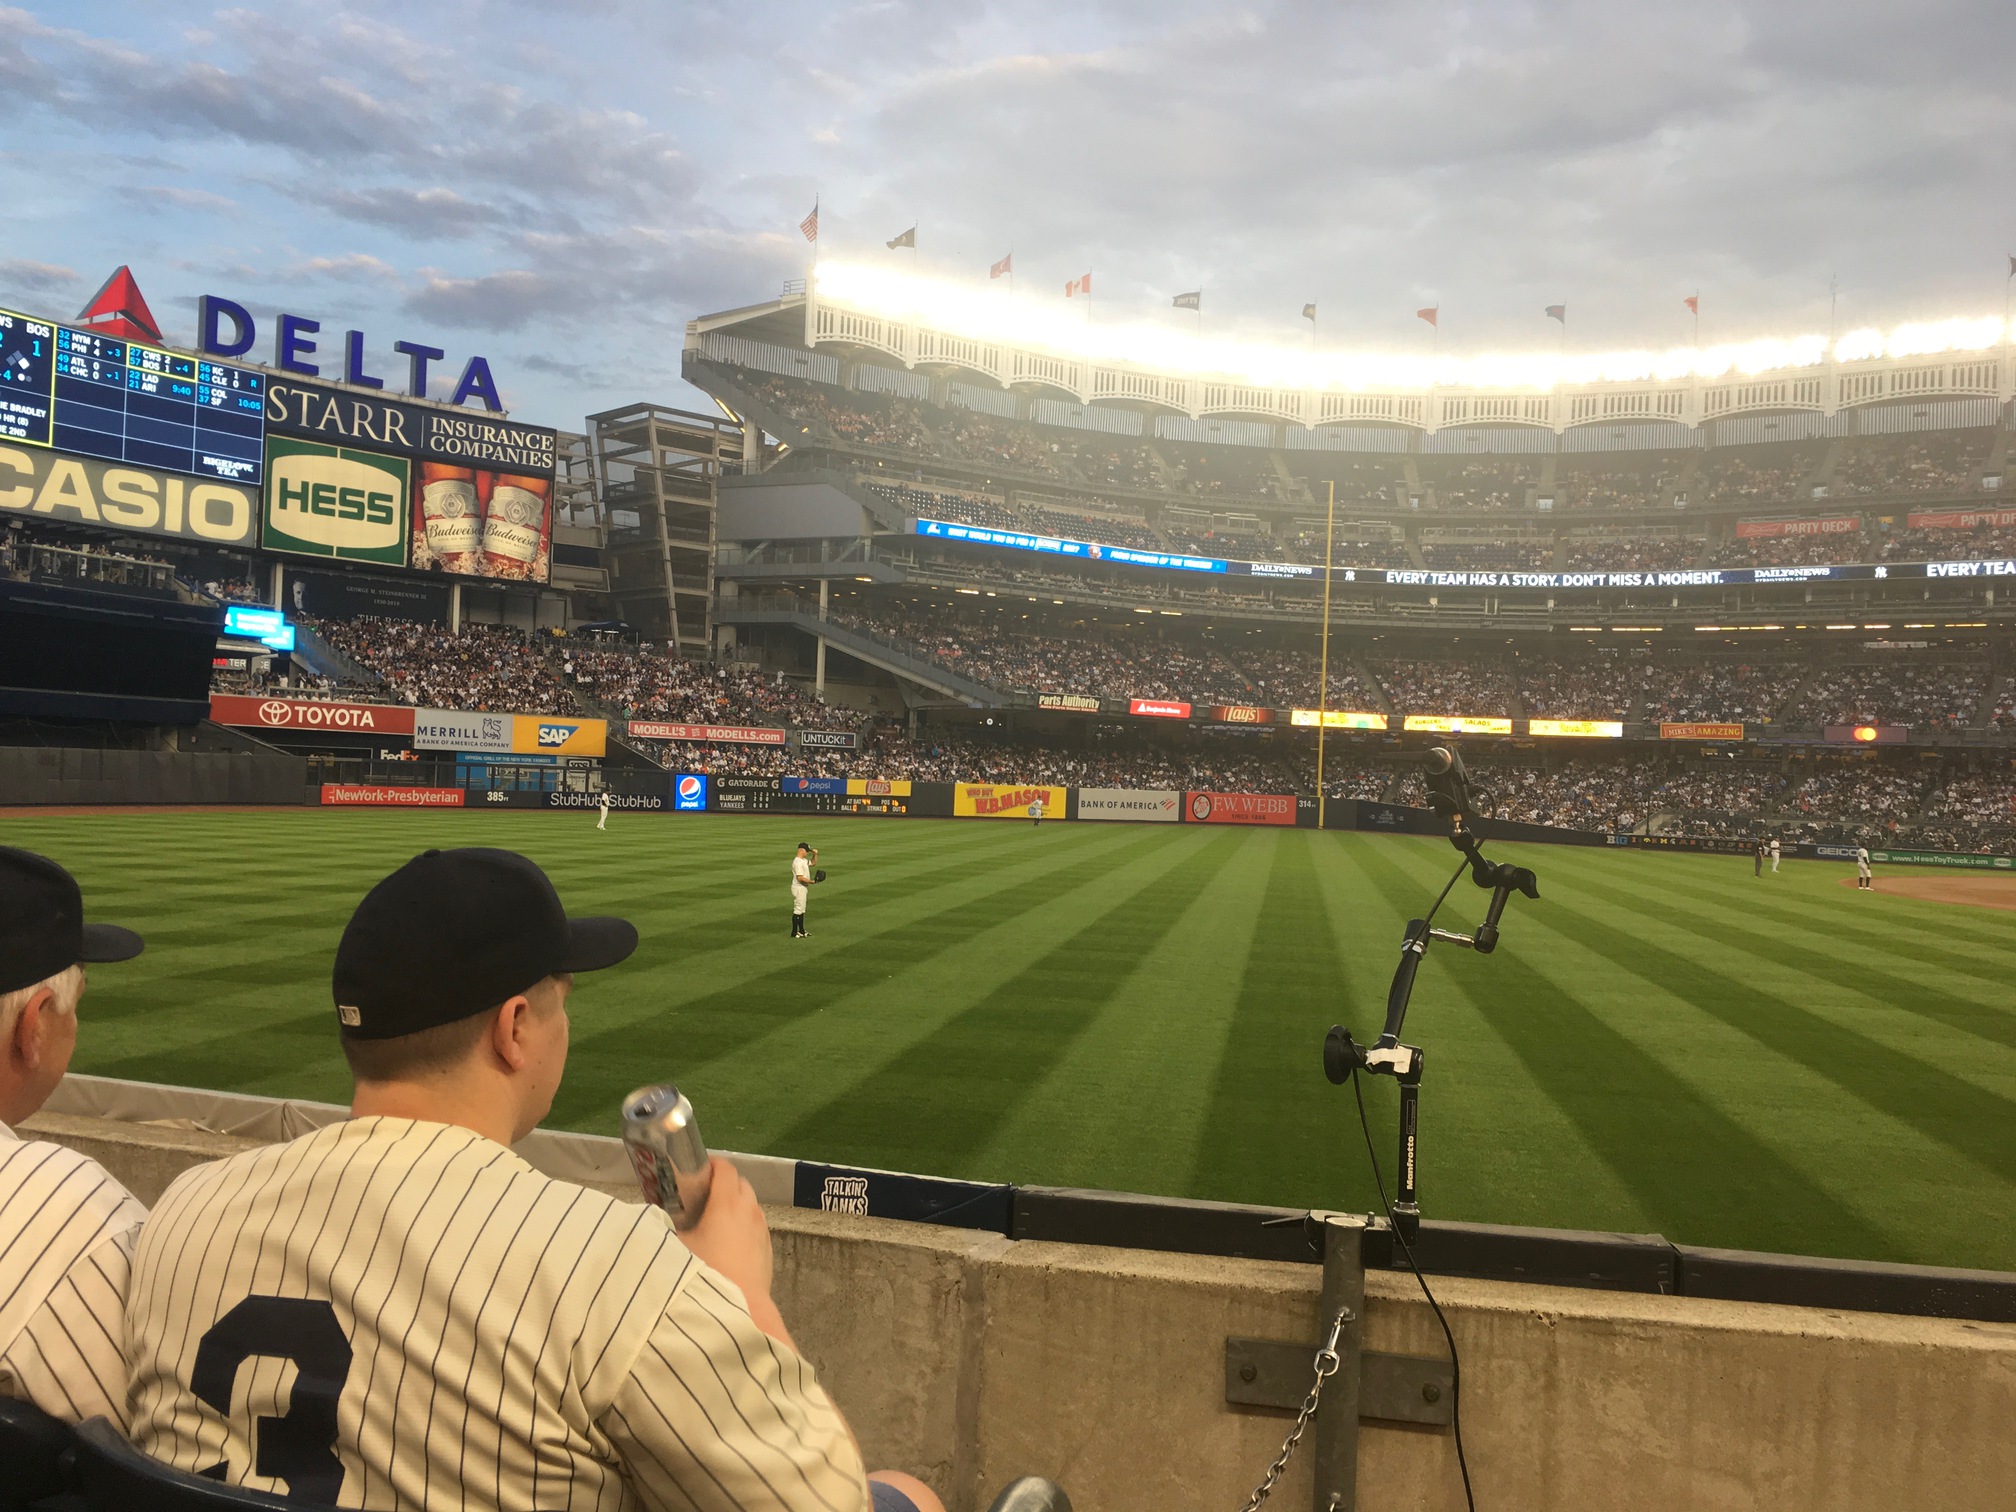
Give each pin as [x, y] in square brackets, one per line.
[67, 1228]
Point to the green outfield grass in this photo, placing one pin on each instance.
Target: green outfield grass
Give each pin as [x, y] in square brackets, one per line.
[1662, 1043]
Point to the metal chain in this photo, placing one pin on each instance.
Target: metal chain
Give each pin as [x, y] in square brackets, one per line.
[1327, 1364]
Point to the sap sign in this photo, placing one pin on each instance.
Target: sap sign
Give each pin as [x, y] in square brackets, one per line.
[689, 793]
[533, 734]
[294, 345]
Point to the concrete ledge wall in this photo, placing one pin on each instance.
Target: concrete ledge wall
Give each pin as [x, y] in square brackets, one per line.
[62, 774]
[968, 1359]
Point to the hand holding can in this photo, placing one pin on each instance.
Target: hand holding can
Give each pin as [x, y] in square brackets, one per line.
[666, 1150]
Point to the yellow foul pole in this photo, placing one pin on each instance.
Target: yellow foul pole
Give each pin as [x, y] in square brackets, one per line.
[1323, 677]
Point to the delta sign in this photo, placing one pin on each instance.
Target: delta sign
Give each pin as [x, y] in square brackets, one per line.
[295, 348]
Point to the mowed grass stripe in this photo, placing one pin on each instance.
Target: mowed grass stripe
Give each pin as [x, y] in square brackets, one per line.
[844, 1057]
[1783, 965]
[1159, 1033]
[1629, 1104]
[950, 1091]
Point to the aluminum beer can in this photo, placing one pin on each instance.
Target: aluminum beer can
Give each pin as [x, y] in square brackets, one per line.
[667, 1152]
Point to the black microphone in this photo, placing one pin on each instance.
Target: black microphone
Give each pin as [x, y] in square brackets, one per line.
[1449, 789]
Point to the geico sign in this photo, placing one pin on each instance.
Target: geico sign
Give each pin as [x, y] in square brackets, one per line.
[308, 714]
[135, 499]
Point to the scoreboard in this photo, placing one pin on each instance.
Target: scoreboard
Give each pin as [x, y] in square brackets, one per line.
[123, 401]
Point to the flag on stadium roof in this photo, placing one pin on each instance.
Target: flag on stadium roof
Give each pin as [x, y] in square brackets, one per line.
[907, 239]
[810, 225]
[1558, 312]
[118, 309]
[1308, 312]
[1006, 265]
[1079, 286]
[2012, 266]
[1693, 301]
[1194, 300]
[1432, 315]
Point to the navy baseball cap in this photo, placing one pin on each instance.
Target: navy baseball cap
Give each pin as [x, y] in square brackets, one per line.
[454, 933]
[42, 928]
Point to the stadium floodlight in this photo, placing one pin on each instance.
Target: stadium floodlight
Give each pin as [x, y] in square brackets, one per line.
[990, 314]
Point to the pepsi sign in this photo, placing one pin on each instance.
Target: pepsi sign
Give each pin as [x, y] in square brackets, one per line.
[689, 793]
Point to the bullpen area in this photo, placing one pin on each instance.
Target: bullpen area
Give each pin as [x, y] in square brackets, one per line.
[1663, 1042]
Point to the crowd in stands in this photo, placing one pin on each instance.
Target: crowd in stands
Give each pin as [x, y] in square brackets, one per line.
[1757, 472]
[1481, 482]
[1556, 688]
[1790, 550]
[233, 591]
[1924, 545]
[1935, 695]
[1721, 693]
[1634, 481]
[487, 667]
[1974, 812]
[894, 423]
[1445, 687]
[1473, 556]
[637, 684]
[1927, 462]
[1630, 553]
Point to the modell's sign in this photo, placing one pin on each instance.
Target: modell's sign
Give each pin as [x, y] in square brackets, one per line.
[1077, 703]
[1239, 808]
[310, 714]
[652, 729]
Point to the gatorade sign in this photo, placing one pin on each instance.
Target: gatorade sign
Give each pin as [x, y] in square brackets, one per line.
[335, 501]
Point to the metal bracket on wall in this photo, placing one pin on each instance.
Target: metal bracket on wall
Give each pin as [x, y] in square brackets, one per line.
[1277, 1375]
[1274, 1374]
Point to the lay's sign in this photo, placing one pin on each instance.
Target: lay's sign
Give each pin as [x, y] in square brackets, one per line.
[335, 501]
[1002, 800]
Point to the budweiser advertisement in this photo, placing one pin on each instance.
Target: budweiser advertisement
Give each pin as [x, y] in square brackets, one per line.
[651, 729]
[1239, 808]
[310, 714]
[1246, 714]
[477, 523]
[1837, 525]
[1963, 519]
[1159, 708]
[371, 795]
[1700, 732]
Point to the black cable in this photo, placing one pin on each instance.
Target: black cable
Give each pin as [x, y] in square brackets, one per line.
[1455, 1365]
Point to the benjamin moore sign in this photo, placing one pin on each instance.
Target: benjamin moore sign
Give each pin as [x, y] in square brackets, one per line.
[334, 501]
[471, 439]
[37, 483]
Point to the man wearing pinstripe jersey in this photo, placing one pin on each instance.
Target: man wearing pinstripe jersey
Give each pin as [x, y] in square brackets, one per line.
[398, 1312]
[66, 1227]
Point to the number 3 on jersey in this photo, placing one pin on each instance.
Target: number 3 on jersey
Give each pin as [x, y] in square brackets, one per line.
[300, 1448]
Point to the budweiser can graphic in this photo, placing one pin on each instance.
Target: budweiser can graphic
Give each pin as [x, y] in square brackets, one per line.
[667, 1153]
[515, 526]
[451, 518]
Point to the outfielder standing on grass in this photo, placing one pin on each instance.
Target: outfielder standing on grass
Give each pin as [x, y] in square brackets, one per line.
[802, 878]
[1036, 811]
[1863, 881]
[397, 1311]
[603, 804]
[1777, 853]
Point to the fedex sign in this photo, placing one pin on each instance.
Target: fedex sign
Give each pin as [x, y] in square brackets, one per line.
[295, 349]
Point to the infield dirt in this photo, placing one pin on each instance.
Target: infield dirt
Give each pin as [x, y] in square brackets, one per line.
[1974, 891]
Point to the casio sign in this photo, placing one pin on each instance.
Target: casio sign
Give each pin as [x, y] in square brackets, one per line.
[556, 734]
[293, 346]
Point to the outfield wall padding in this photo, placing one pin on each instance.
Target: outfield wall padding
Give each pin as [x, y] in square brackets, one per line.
[42, 775]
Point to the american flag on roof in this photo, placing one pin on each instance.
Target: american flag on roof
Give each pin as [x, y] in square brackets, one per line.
[810, 225]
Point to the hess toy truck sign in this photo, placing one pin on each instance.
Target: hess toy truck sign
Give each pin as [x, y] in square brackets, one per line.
[310, 714]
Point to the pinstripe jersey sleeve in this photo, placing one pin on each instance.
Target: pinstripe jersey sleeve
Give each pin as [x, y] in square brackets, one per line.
[67, 1231]
[716, 1416]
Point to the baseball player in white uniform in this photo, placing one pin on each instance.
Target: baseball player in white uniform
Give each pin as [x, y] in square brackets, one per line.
[801, 886]
[397, 1311]
[1864, 882]
[603, 804]
[1777, 852]
[67, 1228]
[1036, 811]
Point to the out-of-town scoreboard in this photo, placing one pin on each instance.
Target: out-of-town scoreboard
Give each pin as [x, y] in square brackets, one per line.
[123, 401]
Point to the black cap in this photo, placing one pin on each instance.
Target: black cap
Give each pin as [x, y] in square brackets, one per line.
[42, 928]
[452, 933]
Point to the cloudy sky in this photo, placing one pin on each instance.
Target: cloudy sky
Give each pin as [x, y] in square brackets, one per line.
[559, 187]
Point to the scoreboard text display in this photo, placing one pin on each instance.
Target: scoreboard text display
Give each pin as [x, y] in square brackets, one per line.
[120, 401]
